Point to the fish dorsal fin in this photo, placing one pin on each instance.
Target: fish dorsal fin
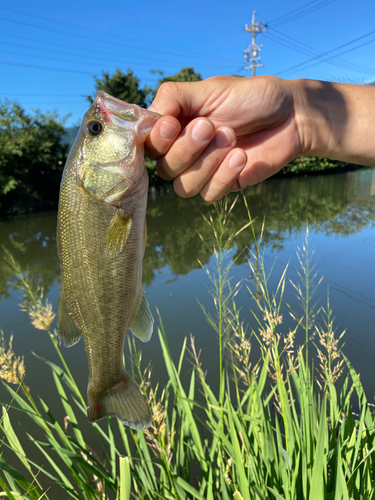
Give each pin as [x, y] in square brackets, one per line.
[118, 232]
[143, 322]
[68, 332]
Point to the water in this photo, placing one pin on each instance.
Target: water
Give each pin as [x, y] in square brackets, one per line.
[339, 210]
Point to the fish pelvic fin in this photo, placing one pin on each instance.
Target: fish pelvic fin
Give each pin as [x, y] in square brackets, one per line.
[68, 332]
[118, 232]
[124, 401]
[143, 322]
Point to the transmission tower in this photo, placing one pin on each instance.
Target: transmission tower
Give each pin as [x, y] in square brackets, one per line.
[253, 49]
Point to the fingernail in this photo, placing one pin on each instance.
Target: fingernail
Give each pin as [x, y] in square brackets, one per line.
[224, 138]
[237, 161]
[168, 131]
[201, 131]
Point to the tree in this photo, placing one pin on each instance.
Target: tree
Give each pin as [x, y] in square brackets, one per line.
[184, 75]
[122, 86]
[32, 157]
[314, 164]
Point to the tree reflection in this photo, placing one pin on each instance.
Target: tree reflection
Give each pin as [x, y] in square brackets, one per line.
[341, 204]
[32, 241]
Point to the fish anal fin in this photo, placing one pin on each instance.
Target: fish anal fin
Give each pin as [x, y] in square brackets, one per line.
[118, 232]
[143, 321]
[68, 332]
[124, 401]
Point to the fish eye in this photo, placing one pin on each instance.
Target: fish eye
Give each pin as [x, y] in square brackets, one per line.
[94, 128]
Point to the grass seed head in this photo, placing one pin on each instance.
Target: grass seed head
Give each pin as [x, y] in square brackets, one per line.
[12, 368]
[41, 315]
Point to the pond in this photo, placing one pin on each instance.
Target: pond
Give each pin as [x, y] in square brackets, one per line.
[339, 211]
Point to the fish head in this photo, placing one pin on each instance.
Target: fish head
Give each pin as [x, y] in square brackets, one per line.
[110, 147]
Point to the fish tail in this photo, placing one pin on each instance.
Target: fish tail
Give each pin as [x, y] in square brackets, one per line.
[124, 401]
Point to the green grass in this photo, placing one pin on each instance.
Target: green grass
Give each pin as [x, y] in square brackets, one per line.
[276, 429]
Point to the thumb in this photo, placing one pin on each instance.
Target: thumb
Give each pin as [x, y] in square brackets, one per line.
[179, 99]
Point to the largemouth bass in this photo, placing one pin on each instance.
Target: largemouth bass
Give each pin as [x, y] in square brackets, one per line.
[101, 235]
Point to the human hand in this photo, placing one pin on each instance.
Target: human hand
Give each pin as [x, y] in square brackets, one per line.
[223, 134]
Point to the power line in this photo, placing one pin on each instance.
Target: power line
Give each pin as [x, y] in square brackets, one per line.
[40, 95]
[107, 59]
[81, 62]
[342, 53]
[303, 48]
[86, 51]
[64, 70]
[309, 11]
[292, 12]
[300, 12]
[80, 27]
[323, 54]
[52, 103]
[101, 41]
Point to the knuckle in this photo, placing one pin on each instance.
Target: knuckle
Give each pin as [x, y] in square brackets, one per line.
[179, 157]
[167, 88]
[221, 183]
[209, 164]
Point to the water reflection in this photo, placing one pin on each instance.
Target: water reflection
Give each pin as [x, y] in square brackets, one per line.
[335, 204]
[32, 241]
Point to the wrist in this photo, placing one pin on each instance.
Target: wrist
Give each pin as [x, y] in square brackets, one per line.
[335, 120]
[317, 120]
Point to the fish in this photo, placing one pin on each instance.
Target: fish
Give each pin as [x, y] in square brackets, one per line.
[101, 237]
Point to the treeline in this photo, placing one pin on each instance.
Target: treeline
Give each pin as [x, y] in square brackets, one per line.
[33, 147]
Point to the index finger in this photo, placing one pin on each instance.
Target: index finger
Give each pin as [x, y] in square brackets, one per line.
[162, 136]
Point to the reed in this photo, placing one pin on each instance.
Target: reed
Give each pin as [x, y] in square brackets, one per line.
[269, 432]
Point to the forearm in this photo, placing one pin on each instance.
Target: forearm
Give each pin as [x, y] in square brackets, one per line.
[336, 120]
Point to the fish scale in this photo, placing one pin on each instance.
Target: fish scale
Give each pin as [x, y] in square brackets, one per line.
[101, 238]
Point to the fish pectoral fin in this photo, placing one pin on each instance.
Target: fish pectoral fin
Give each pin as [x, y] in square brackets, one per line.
[68, 332]
[123, 400]
[143, 321]
[118, 232]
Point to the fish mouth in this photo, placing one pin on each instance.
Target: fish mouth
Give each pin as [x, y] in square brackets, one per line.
[110, 108]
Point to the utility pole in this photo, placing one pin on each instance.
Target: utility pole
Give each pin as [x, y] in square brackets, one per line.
[253, 28]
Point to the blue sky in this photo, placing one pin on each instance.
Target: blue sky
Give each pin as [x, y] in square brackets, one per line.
[51, 50]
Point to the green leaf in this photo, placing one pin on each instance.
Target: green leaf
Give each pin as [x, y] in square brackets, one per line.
[190, 489]
[185, 407]
[8, 492]
[238, 457]
[286, 458]
[18, 476]
[275, 494]
[125, 478]
[320, 459]
[13, 440]
[68, 409]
